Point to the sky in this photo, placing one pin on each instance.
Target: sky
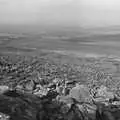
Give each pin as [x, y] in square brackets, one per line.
[60, 12]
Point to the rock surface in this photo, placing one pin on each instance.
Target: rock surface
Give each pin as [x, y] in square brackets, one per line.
[45, 90]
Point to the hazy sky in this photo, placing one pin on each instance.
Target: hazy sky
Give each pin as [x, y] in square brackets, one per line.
[76, 12]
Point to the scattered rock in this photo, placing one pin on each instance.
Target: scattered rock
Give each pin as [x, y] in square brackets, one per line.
[64, 109]
[20, 106]
[52, 86]
[29, 85]
[65, 99]
[70, 82]
[56, 80]
[3, 89]
[4, 116]
[91, 110]
[118, 93]
[103, 92]
[82, 108]
[19, 87]
[38, 86]
[41, 93]
[116, 103]
[102, 100]
[59, 89]
[111, 112]
[75, 114]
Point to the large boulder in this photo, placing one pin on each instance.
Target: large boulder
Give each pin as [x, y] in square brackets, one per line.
[81, 94]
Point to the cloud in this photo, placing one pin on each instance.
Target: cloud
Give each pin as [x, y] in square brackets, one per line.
[84, 12]
[37, 11]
